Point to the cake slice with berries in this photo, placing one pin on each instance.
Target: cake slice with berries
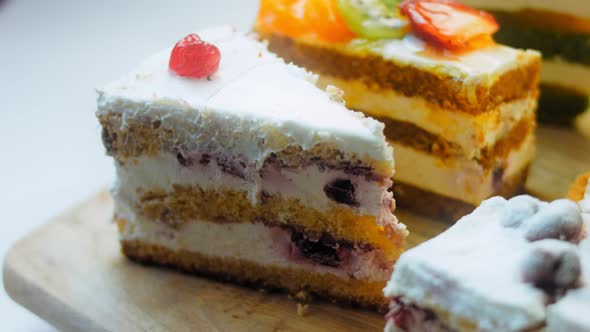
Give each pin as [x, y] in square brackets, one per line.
[458, 108]
[494, 270]
[233, 164]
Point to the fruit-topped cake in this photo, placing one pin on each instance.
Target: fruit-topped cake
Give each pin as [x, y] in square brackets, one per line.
[497, 269]
[458, 108]
[561, 31]
[233, 164]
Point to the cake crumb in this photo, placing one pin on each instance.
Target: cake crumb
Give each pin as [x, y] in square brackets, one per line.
[335, 94]
[302, 309]
[301, 296]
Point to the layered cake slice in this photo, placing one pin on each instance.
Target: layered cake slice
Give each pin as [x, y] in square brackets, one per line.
[458, 108]
[233, 164]
[496, 269]
[561, 31]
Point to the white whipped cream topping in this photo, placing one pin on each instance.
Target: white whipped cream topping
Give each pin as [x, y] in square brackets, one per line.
[253, 103]
[480, 66]
[571, 313]
[577, 8]
[473, 272]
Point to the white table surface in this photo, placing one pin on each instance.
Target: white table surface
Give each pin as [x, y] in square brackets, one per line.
[52, 56]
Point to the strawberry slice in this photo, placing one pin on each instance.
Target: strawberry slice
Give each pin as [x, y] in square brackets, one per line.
[448, 24]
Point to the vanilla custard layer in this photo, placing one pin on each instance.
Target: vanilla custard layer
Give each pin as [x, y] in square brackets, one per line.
[566, 74]
[255, 243]
[471, 133]
[461, 179]
[306, 184]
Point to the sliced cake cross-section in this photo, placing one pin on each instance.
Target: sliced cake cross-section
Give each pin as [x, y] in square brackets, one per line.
[462, 121]
[251, 174]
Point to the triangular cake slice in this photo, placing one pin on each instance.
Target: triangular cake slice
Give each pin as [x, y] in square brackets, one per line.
[252, 174]
[496, 269]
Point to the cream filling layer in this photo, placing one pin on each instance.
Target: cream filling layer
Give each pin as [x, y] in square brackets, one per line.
[305, 184]
[472, 133]
[255, 243]
[569, 75]
[572, 7]
[462, 179]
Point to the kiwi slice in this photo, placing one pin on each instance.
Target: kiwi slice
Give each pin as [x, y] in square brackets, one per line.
[373, 19]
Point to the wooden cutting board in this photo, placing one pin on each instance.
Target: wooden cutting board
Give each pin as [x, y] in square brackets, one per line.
[70, 271]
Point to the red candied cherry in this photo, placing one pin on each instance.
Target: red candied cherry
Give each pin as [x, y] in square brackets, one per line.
[192, 57]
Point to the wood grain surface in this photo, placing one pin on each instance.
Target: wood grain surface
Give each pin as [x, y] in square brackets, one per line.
[70, 271]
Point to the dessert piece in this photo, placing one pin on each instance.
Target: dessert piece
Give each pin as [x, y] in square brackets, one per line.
[494, 270]
[459, 109]
[561, 31]
[233, 164]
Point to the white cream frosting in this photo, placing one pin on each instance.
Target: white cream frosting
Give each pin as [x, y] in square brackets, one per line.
[489, 270]
[482, 66]
[461, 179]
[570, 75]
[572, 313]
[471, 133]
[255, 243]
[306, 184]
[252, 105]
[473, 272]
[577, 8]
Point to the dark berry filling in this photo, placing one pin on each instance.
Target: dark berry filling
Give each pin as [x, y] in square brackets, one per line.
[205, 159]
[409, 317]
[341, 191]
[322, 248]
[232, 165]
[498, 178]
[184, 161]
